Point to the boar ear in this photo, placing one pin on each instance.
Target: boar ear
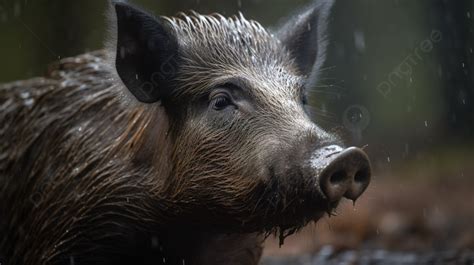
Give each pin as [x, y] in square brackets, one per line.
[304, 35]
[146, 58]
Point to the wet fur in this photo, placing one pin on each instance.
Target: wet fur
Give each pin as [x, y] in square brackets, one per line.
[108, 192]
[88, 175]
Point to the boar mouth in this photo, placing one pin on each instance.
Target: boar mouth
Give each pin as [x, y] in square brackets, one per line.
[289, 221]
[288, 207]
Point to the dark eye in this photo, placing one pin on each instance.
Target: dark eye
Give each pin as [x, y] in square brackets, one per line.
[221, 101]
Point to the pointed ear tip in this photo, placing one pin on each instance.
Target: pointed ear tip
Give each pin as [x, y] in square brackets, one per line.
[119, 3]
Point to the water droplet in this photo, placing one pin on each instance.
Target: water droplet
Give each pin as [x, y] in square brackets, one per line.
[388, 159]
[254, 59]
[359, 40]
[29, 102]
[24, 95]
[426, 123]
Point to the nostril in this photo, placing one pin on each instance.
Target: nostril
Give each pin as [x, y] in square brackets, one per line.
[338, 177]
[362, 176]
[335, 185]
[359, 185]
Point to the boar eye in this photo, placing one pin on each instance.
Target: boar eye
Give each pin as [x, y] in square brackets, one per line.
[221, 101]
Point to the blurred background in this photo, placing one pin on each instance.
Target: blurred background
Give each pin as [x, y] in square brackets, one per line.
[398, 82]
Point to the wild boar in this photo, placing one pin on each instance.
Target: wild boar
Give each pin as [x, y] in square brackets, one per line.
[189, 148]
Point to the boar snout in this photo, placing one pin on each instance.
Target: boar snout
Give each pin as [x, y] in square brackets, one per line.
[343, 172]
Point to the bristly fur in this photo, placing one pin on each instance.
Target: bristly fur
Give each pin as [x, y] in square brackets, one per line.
[224, 46]
[232, 41]
[113, 175]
